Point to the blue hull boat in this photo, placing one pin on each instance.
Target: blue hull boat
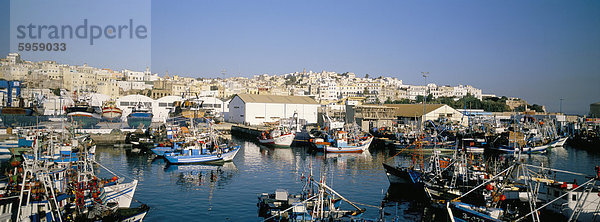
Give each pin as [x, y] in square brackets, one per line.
[191, 156]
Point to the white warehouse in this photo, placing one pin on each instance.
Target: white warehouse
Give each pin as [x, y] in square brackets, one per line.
[257, 109]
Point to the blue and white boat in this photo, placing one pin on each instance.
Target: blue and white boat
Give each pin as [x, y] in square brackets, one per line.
[140, 116]
[196, 154]
[162, 150]
[343, 142]
[459, 211]
[524, 150]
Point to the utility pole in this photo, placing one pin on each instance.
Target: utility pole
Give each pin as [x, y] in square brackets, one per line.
[561, 99]
[425, 74]
[223, 72]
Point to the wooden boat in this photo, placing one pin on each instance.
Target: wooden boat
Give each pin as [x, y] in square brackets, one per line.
[524, 150]
[83, 114]
[559, 142]
[280, 136]
[402, 175]
[459, 211]
[110, 112]
[317, 202]
[140, 116]
[21, 116]
[343, 142]
[195, 154]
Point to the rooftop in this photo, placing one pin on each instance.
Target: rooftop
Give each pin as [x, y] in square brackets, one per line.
[253, 98]
[413, 110]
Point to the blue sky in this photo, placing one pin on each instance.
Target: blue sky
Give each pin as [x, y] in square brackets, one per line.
[539, 50]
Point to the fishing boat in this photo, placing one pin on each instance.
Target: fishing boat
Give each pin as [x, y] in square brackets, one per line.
[110, 112]
[68, 192]
[343, 142]
[472, 145]
[317, 202]
[280, 136]
[201, 154]
[21, 116]
[559, 142]
[517, 143]
[459, 211]
[402, 175]
[140, 116]
[576, 202]
[83, 115]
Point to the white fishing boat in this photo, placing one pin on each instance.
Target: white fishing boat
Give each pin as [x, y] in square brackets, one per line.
[280, 136]
[559, 142]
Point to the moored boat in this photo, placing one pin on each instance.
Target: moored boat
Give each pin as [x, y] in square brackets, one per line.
[110, 112]
[83, 115]
[195, 154]
[343, 142]
[140, 116]
[21, 116]
[280, 136]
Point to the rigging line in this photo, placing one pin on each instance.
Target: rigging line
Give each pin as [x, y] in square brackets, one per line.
[557, 170]
[112, 171]
[489, 180]
[368, 205]
[409, 146]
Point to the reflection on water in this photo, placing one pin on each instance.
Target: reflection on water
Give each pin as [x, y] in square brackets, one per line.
[191, 176]
[229, 191]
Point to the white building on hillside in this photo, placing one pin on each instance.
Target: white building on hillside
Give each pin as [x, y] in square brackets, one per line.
[258, 109]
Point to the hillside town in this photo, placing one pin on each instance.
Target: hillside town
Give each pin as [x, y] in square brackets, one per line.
[57, 86]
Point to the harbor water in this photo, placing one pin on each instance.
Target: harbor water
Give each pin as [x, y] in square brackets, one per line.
[228, 192]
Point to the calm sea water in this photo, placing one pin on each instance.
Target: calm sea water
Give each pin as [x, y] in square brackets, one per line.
[229, 192]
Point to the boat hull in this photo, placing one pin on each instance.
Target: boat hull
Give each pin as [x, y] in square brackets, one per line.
[84, 119]
[361, 147]
[559, 142]
[525, 150]
[283, 140]
[401, 175]
[135, 122]
[203, 158]
[464, 212]
[112, 114]
[121, 193]
[16, 120]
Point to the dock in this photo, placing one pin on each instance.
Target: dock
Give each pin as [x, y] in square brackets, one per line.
[249, 131]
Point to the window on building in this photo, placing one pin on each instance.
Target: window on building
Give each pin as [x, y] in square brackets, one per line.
[124, 103]
[260, 117]
[574, 197]
[241, 115]
[236, 107]
[162, 104]
[217, 105]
